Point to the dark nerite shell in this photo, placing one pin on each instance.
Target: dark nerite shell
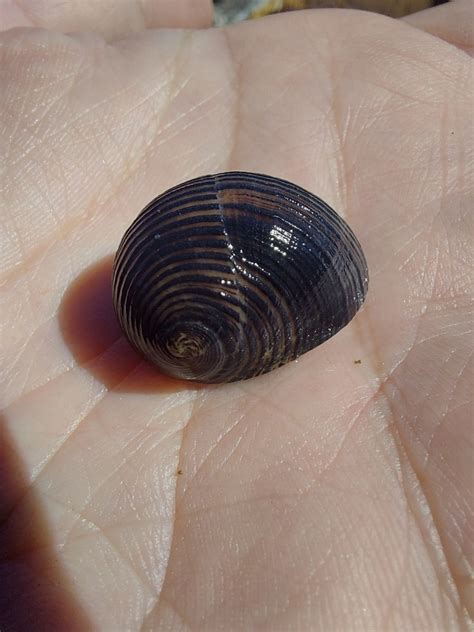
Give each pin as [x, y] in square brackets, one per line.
[229, 276]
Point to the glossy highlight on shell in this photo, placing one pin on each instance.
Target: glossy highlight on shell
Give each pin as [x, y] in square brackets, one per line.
[229, 276]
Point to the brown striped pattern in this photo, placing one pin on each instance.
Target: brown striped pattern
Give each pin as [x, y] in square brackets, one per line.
[228, 276]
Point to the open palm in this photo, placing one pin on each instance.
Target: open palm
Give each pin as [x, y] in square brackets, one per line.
[332, 494]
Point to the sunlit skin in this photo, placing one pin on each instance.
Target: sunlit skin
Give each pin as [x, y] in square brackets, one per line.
[332, 494]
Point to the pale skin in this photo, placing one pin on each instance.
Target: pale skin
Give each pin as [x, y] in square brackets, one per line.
[333, 494]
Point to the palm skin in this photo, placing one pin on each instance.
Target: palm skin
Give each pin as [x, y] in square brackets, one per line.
[327, 495]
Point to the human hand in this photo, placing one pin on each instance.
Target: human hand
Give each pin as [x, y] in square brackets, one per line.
[328, 495]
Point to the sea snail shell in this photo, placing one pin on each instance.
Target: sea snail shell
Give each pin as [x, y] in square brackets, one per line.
[228, 276]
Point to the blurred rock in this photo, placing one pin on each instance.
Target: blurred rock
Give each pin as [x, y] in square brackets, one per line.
[227, 11]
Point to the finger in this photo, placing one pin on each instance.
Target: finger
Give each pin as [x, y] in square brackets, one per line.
[452, 22]
[110, 18]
